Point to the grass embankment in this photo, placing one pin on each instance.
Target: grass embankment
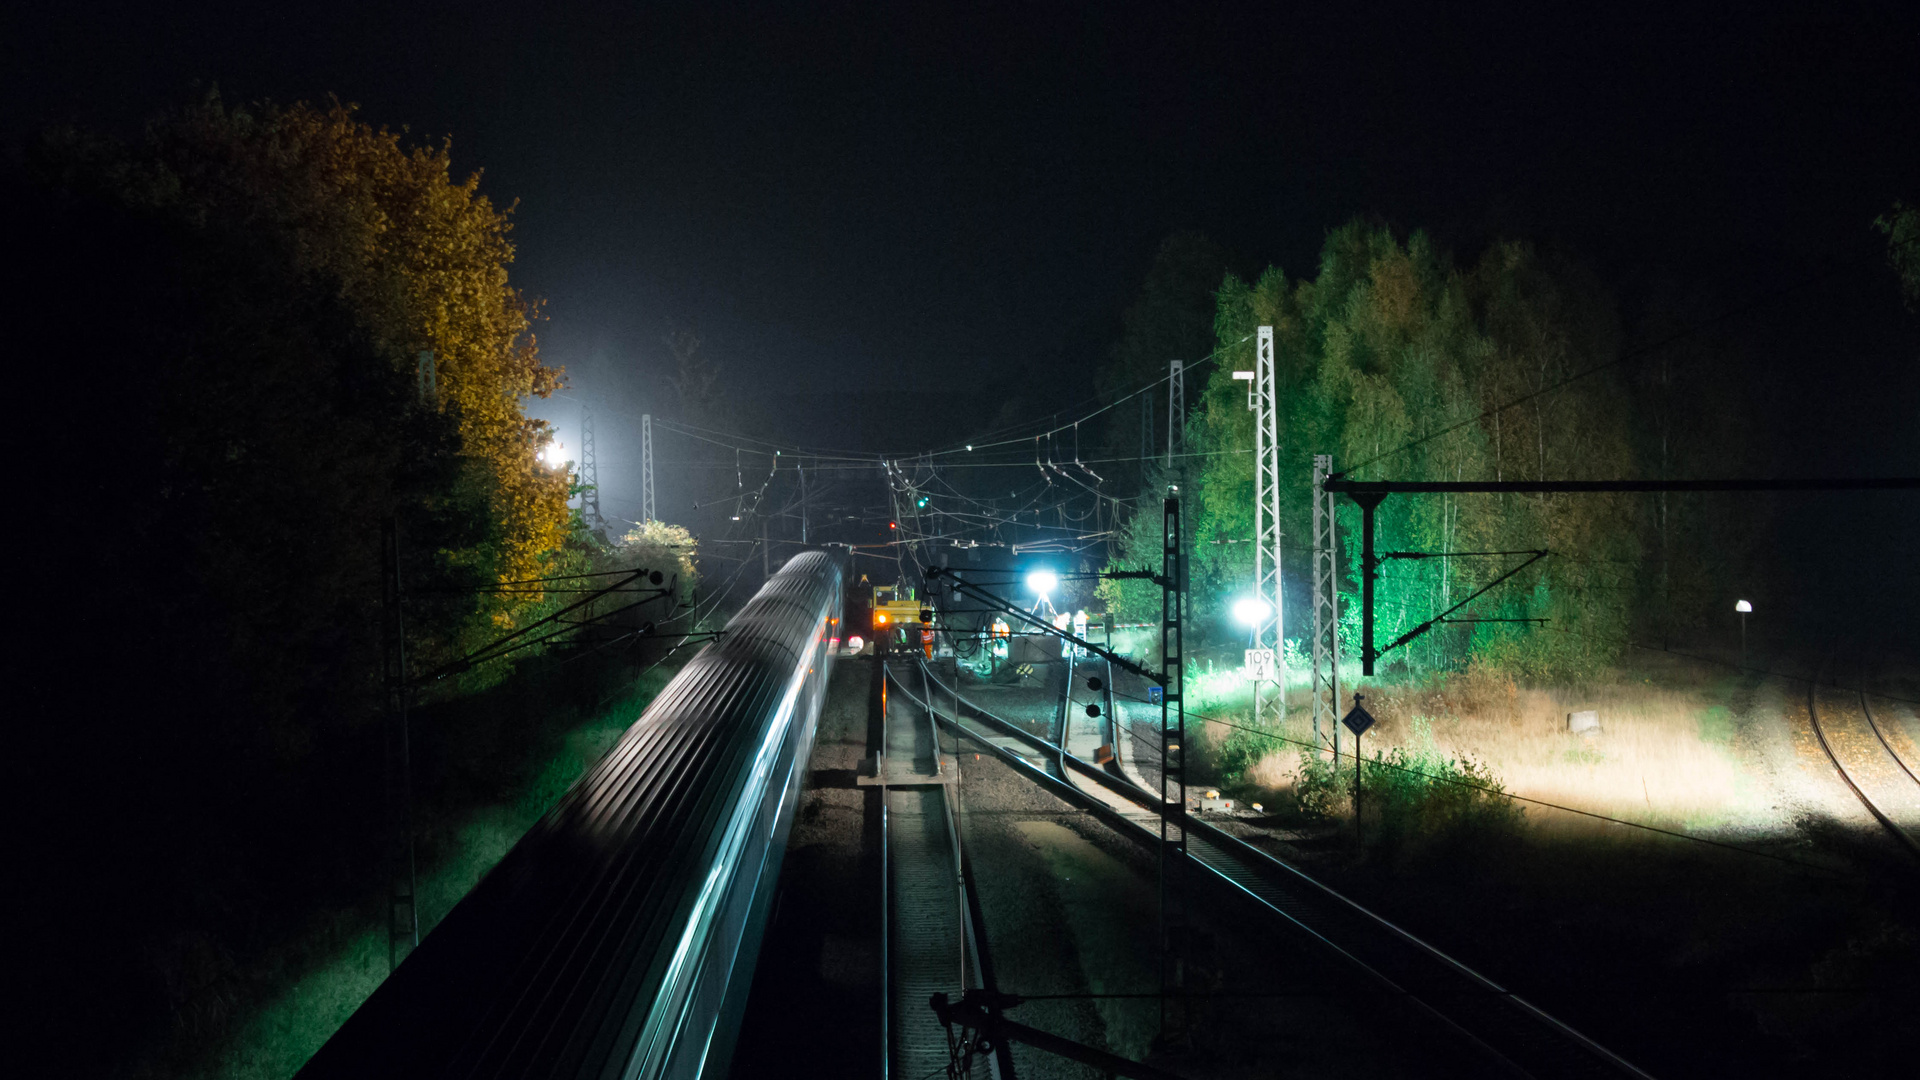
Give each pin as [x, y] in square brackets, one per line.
[1689, 959]
[1666, 753]
[487, 768]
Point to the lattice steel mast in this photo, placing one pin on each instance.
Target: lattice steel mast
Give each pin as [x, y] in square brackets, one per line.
[589, 473]
[646, 468]
[1173, 772]
[1176, 410]
[1269, 695]
[1326, 610]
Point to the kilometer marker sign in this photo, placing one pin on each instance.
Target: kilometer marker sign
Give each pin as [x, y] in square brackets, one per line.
[1260, 666]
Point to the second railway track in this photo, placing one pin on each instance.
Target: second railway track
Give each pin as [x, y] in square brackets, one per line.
[1856, 744]
[1519, 1038]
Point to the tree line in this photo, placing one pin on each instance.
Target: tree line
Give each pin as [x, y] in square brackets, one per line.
[250, 337]
[1403, 362]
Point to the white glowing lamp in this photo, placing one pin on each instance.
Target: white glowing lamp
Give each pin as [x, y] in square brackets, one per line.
[1742, 607]
[1043, 582]
[1251, 610]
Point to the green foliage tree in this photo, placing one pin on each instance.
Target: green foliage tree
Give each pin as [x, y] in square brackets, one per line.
[1388, 342]
[1902, 228]
[1171, 318]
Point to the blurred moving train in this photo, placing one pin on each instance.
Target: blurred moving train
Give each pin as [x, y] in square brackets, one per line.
[618, 938]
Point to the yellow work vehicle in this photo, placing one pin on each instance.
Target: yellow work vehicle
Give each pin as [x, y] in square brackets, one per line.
[900, 620]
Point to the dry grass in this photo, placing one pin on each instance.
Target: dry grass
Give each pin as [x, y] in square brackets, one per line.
[1665, 754]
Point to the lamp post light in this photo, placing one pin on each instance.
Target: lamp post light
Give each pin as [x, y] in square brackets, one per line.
[1042, 583]
[1252, 611]
[1744, 609]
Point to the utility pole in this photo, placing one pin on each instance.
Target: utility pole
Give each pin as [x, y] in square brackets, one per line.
[646, 468]
[426, 374]
[403, 914]
[801, 468]
[1176, 410]
[1326, 610]
[589, 472]
[403, 917]
[1269, 699]
[1666, 572]
[1146, 434]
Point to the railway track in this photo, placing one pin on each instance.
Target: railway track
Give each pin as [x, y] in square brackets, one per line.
[1883, 781]
[1518, 1037]
[928, 936]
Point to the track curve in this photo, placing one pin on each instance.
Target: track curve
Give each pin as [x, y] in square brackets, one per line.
[1820, 735]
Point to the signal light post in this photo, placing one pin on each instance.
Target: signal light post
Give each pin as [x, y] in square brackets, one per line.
[1173, 770]
[1165, 691]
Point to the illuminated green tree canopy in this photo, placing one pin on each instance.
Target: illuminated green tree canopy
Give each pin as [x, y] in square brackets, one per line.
[1390, 342]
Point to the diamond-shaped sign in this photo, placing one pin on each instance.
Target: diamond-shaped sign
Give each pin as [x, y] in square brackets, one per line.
[1359, 720]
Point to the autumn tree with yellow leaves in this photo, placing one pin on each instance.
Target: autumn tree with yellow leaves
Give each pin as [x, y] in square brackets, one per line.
[221, 323]
[419, 257]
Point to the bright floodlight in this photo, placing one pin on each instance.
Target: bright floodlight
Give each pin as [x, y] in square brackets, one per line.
[1042, 582]
[1252, 610]
[1742, 606]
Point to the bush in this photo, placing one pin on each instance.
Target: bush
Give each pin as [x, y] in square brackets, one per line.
[1409, 796]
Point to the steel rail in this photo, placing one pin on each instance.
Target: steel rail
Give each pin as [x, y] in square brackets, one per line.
[886, 894]
[1063, 789]
[926, 878]
[1820, 735]
[1878, 734]
[1490, 1016]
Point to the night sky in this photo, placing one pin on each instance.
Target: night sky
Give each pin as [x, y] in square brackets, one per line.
[961, 200]
[893, 226]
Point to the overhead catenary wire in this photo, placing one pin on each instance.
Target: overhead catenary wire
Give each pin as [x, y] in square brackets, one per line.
[1050, 507]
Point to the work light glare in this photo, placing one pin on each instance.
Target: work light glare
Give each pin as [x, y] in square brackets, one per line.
[1042, 582]
[1251, 610]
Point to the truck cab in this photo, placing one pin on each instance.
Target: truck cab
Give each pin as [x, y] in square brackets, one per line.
[898, 617]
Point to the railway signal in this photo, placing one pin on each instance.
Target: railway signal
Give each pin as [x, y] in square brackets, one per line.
[1358, 720]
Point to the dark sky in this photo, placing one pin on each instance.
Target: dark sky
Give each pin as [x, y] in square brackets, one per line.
[913, 198]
